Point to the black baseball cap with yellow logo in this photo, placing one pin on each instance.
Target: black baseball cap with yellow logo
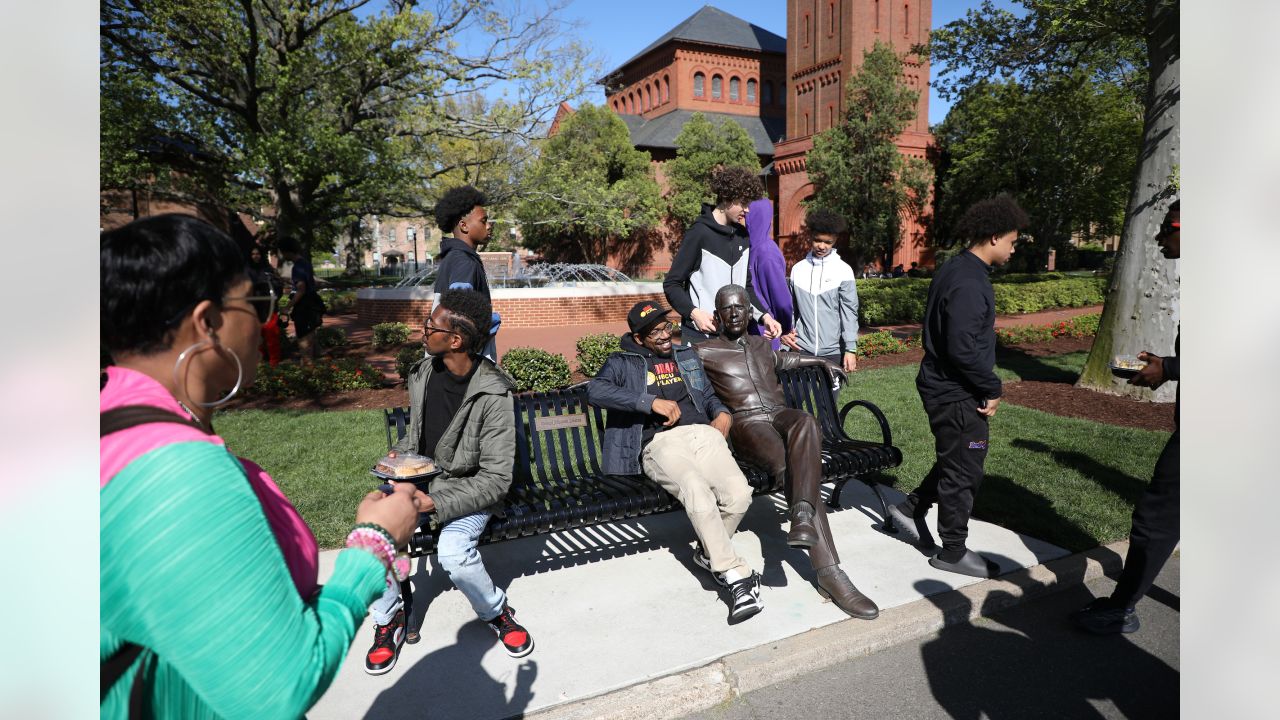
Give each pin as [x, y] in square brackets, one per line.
[644, 315]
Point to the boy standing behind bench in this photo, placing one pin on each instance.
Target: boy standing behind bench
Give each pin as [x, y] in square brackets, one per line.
[461, 415]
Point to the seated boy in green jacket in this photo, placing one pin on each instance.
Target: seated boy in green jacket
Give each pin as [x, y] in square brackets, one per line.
[469, 430]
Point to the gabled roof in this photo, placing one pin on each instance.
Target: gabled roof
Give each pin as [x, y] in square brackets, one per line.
[661, 132]
[713, 26]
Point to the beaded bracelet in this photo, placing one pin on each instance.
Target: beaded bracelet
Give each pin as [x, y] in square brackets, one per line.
[376, 543]
[375, 526]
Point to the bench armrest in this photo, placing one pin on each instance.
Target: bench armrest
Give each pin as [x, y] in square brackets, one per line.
[880, 418]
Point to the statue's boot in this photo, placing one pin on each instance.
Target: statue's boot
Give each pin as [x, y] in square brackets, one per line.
[835, 585]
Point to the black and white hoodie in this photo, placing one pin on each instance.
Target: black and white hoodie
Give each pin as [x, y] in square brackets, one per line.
[826, 304]
[711, 256]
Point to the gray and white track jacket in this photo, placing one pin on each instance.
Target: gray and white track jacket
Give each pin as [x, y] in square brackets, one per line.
[826, 304]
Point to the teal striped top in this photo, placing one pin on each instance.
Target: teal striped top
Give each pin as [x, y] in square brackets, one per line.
[191, 571]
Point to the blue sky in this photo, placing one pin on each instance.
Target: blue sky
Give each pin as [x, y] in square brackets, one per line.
[619, 30]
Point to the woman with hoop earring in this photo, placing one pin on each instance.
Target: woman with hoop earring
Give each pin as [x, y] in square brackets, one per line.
[209, 600]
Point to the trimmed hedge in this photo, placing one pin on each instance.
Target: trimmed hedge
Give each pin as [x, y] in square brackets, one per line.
[390, 334]
[535, 369]
[902, 300]
[408, 355]
[593, 350]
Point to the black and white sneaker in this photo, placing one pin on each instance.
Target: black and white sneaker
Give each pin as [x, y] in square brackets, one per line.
[701, 560]
[746, 598]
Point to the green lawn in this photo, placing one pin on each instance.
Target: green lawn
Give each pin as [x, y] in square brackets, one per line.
[1064, 480]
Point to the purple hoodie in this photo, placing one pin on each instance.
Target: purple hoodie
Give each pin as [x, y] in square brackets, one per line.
[767, 268]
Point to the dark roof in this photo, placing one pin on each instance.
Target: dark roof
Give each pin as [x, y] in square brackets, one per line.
[661, 132]
[713, 26]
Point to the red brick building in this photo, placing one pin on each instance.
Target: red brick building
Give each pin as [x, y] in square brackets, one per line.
[781, 91]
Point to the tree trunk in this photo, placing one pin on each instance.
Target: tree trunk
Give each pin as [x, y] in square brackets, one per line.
[1141, 311]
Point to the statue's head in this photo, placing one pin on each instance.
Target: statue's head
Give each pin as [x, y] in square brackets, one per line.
[733, 310]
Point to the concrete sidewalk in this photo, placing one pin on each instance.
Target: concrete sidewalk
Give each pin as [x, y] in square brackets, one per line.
[622, 606]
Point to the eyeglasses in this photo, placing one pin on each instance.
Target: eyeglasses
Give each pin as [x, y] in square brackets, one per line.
[263, 305]
[658, 331]
[430, 330]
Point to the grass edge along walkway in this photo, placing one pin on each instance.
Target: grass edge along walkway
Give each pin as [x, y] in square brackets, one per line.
[1068, 481]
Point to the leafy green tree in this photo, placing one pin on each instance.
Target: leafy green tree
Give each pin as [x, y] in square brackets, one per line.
[1134, 43]
[588, 188]
[700, 147]
[856, 166]
[311, 114]
[1062, 144]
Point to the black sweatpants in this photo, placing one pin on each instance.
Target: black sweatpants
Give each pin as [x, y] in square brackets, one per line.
[1155, 532]
[960, 436]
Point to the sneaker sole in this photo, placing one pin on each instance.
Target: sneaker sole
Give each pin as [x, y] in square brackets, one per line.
[745, 614]
[521, 653]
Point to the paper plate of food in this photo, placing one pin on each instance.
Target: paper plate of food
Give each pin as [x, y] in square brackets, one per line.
[1126, 366]
[406, 467]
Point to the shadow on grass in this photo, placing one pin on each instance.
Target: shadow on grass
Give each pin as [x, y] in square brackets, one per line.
[1031, 367]
[1122, 484]
[1004, 502]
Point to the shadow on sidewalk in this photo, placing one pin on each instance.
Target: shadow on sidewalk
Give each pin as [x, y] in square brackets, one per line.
[480, 696]
[1038, 665]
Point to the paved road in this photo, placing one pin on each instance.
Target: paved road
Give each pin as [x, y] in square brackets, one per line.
[1027, 662]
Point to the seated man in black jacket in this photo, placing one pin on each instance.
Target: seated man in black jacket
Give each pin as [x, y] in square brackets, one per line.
[958, 383]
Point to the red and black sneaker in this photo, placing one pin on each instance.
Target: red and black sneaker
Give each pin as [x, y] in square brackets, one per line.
[387, 641]
[517, 641]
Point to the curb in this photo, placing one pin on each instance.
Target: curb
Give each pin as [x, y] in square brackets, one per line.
[702, 688]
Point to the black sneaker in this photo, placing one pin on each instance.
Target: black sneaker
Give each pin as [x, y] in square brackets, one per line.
[746, 598]
[1101, 617]
[387, 641]
[515, 639]
[701, 560]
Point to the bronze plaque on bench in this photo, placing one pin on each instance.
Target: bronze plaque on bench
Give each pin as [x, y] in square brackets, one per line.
[559, 422]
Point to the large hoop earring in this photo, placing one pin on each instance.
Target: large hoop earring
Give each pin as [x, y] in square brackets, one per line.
[217, 347]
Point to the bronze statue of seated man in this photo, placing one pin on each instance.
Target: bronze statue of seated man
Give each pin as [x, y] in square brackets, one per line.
[785, 442]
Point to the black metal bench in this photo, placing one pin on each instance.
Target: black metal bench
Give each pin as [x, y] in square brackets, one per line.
[557, 482]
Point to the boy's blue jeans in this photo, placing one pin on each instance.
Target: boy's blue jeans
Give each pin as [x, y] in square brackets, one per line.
[457, 554]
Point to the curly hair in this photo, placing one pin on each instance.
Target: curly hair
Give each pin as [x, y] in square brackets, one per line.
[993, 216]
[455, 204]
[735, 184]
[825, 222]
[470, 314]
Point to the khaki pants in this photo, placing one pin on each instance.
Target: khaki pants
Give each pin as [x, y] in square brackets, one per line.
[694, 464]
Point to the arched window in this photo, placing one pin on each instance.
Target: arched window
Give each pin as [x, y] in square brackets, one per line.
[648, 98]
[666, 89]
[699, 80]
[877, 15]
[717, 87]
[806, 30]
[806, 124]
[831, 19]
[766, 93]
[751, 91]
[906, 18]
[831, 116]
[631, 104]
[735, 87]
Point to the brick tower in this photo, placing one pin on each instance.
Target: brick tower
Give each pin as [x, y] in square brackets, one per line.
[825, 43]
